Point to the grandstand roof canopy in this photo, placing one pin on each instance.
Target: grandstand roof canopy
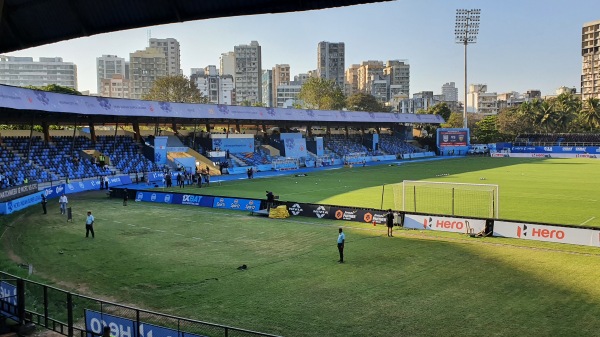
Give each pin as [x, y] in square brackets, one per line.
[26, 106]
[30, 23]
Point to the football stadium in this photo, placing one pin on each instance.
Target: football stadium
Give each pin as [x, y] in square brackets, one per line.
[217, 220]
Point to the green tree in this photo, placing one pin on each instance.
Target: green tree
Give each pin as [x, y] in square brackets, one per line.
[511, 122]
[487, 130]
[323, 94]
[454, 121]
[590, 114]
[441, 109]
[56, 88]
[177, 89]
[363, 102]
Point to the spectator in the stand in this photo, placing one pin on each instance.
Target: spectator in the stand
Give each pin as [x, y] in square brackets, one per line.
[137, 178]
[106, 182]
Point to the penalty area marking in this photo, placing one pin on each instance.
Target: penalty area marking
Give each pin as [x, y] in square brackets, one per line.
[588, 220]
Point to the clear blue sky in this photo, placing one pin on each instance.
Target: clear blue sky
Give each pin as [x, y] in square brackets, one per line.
[522, 44]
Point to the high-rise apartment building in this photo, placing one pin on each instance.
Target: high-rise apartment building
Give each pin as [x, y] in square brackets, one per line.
[218, 89]
[301, 78]
[481, 101]
[287, 94]
[145, 66]
[351, 85]
[24, 71]
[367, 71]
[170, 47]
[398, 74]
[450, 92]
[227, 64]
[106, 67]
[331, 62]
[267, 87]
[590, 52]
[281, 76]
[117, 86]
[248, 73]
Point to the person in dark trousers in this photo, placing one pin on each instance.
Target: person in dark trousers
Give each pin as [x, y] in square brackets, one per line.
[270, 200]
[89, 224]
[340, 244]
[137, 178]
[44, 202]
[389, 217]
[125, 197]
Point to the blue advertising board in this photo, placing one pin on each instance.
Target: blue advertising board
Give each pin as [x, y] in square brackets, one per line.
[556, 149]
[20, 203]
[159, 197]
[160, 150]
[192, 199]
[295, 147]
[233, 145]
[54, 191]
[123, 327]
[237, 204]
[8, 300]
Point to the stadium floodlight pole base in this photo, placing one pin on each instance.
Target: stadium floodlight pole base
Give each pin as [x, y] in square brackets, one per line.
[460, 199]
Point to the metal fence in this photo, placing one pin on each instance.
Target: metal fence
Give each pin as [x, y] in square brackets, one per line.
[65, 313]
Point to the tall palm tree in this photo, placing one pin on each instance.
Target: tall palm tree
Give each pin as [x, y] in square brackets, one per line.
[591, 113]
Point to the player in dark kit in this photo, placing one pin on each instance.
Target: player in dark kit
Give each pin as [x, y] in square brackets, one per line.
[389, 217]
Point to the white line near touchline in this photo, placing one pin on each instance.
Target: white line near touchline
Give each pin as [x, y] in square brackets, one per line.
[588, 220]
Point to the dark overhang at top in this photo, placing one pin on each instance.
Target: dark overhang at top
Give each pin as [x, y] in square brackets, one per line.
[31, 23]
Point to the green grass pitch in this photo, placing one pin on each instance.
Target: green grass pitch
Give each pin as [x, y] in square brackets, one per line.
[182, 259]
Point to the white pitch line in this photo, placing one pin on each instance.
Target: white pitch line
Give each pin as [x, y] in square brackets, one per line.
[146, 228]
[178, 234]
[158, 230]
[588, 220]
[130, 224]
[197, 238]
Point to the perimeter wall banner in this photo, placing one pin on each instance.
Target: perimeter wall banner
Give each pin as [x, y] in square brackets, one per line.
[538, 232]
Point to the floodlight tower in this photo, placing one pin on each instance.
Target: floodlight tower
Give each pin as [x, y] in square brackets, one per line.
[465, 31]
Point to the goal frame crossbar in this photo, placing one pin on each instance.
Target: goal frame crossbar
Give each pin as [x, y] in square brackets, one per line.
[490, 187]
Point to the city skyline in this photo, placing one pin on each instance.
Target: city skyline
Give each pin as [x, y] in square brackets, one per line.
[521, 46]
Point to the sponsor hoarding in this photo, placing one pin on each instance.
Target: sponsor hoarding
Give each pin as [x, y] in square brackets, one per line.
[237, 204]
[166, 198]
[8, 300]
[18, 191]
[308, 210]
[357, 215]
[526, 231]
[124, 327]
[444, 224]
[193, 199]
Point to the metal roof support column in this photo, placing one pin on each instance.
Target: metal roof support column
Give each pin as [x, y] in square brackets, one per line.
[92, 131]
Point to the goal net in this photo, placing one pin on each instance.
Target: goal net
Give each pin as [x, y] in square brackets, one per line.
[478, 200]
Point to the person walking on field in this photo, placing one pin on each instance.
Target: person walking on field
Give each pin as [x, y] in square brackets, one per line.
[89, 224]
[340, 244]
[389, 217]
[63, 201]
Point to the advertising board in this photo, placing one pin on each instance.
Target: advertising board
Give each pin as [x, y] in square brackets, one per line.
[444, 224]
[8, 300]
[159, 197]
[237, 204]
[124, 327]
[537, 232]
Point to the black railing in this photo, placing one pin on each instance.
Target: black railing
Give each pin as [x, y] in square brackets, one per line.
[64, 312]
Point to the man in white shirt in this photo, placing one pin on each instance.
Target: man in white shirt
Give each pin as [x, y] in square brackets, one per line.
[63, 204]
[340, 244]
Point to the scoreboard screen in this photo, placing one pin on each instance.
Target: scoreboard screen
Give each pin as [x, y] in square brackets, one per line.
[452, 137]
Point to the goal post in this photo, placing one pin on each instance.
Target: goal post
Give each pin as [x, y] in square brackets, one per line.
[460, 199]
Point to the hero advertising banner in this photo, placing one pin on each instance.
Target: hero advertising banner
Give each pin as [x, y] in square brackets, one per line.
[560, 234]
[123, 327]
[444, 224]
[8, 300]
